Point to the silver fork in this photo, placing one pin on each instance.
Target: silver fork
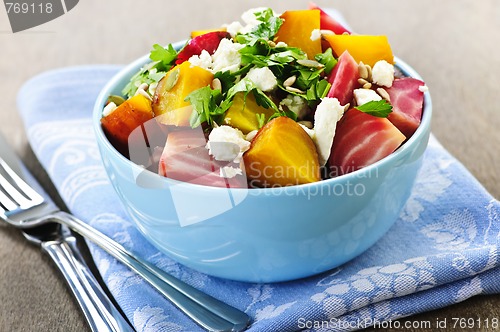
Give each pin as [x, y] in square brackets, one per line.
[23, 207]
[99, 311]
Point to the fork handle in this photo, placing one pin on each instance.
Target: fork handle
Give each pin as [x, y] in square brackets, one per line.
[208, 312]
[98, 309]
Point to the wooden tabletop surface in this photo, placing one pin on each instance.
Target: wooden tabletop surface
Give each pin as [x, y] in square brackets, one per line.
[453, 44]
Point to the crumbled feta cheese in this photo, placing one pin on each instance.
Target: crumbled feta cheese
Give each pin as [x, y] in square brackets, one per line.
[281, 44]
[229, 172]
[383, 73]
[363, 96]
[233, 28]
[227, 56]
[263, 78]
[327, 114]
[108, 109]
[315, 34]
[296, 104]
[250, 21]
[423, 88]
[204, 60]
[227, 144]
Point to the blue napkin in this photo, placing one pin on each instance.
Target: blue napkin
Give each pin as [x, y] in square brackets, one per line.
[442, 250]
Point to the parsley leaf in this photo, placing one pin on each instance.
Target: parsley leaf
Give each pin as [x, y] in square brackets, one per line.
[164, 56]
[265, 30]
[327, 59]
[381, 108]
[163, 59]
[261, 119]
[204, 102]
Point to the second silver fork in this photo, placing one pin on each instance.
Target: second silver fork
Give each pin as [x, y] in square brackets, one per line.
[24, 208]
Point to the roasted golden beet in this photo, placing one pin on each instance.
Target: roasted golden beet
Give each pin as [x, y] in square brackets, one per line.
[119, 124]
[172, 89]
[282, 154]
[197, 33]
[297, 29]
[368, 49]
[243, 113]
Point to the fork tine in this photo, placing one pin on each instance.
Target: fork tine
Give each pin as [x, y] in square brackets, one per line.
[33, 198]
[6, 202]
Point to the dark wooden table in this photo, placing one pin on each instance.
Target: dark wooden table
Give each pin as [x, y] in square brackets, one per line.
[453, 44]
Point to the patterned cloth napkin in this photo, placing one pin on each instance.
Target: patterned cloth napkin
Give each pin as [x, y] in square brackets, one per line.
[442, 250]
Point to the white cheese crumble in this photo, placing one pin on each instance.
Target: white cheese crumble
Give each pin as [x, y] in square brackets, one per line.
[363, 96]
[226, 143]
[327, 114]
[315, 34]
[108, 109]
[296, 104]
[383, 73]
[263, 78]
[423, 88]
[226, 58]
[233, 28]
[250, 21]
[204, 60]
[229, 172]
[281, 44]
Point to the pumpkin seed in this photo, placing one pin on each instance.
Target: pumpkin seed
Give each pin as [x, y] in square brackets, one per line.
[117, 100]
[172, 79]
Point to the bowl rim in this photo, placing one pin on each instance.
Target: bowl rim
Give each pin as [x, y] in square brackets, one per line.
[130, 69]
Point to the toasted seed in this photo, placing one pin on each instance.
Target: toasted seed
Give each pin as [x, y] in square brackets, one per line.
[271, 43]
[307, 124]
[292, 89]
[310, 63]
[172, 79]
[367, 86]
[109, 108]
[362, 81]
[369, 78]
[326, 32]
[144, 93]
[152, 88]
[289, 81]
[117, 100]
[346, 107]
[346, 33]
[251, 135]
[383, 93]
[216, 84]
[362, 70]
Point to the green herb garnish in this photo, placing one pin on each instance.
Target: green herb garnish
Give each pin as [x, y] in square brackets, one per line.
[163, 59]
[381, 108]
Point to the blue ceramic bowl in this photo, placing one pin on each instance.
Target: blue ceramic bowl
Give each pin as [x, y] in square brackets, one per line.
[264, 235]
